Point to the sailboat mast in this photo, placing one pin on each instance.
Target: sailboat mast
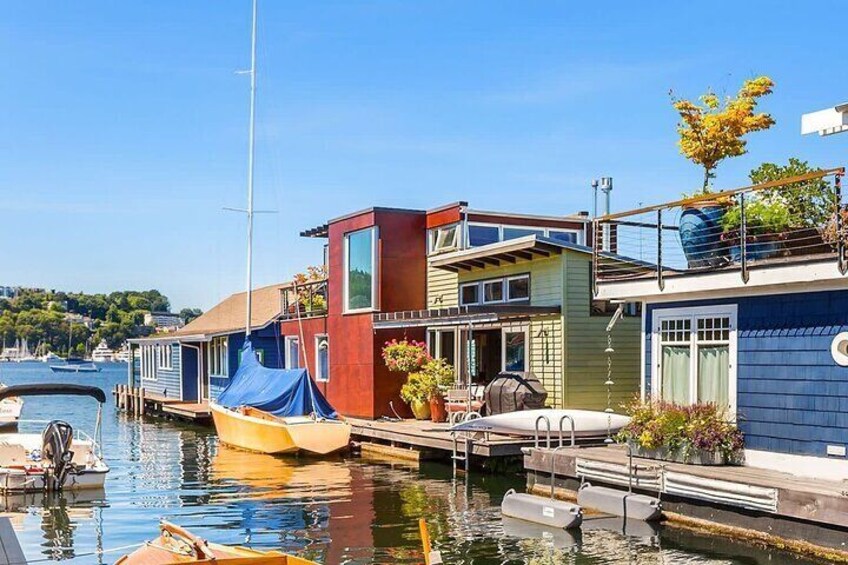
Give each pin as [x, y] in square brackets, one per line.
[250, 173]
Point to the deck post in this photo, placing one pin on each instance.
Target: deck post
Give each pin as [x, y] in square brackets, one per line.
[660, 280]
[840, 225]
[743, 238]
[141, 401]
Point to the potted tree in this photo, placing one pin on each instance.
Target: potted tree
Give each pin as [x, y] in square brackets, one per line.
[408, 356]
[427, 387]
[710, 131]
[414, 393]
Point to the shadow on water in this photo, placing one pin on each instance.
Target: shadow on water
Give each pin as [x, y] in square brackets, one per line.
[340, 510]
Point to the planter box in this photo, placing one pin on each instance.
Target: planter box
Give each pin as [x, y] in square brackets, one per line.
[699, 457]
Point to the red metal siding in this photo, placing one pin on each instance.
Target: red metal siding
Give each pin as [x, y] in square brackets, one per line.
[444, 217]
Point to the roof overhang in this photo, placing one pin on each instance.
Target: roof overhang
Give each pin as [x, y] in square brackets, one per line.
[764, 279]
[321, 231]
[826, 122]
[524, 248]
[460, 316]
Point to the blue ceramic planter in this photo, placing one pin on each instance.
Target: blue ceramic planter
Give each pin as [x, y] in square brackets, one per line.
[755, 250]
[700, 236]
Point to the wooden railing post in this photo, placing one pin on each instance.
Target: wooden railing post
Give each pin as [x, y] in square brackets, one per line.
[743, 238]
[595, 257]
[839, 224]
[660, 281]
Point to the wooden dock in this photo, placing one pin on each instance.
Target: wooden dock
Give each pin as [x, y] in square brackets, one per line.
[785, 505]
[139, 402]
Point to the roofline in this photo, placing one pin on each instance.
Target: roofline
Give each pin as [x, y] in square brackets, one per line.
[567, 218]
[375, 209]
[458, 204]
[445, 260]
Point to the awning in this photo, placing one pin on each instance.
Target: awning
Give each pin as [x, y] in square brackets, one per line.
[459, 316]
[504, 252]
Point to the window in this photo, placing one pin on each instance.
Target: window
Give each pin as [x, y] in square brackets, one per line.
[148, 362]
[219, 362]
[360, 289]
[493, 291]
[694, 355]
[514, 350]
[445, 238]
[469, 294]
[442, 345]
[322, 358]
[514, 233]
[165, 356]
[518, 288]
[564, 236]
[260, 355]
[292, 352]
[482, 235]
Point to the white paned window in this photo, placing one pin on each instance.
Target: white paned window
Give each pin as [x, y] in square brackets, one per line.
[148, 362]
[292, 352]
[322, 358]
[485, 234]
[165, 359]
[495, 291]
[444, 238]
[218, 357]
[694, 355]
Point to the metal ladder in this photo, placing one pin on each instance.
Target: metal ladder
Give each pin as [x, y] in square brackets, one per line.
[466, 438]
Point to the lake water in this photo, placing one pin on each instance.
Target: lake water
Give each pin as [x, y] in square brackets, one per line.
[335, 511]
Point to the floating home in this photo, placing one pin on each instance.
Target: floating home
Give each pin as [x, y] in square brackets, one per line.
[756, 322]
[488, 291]
[194, 363]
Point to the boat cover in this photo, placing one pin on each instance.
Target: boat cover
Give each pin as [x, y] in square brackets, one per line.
[281, 392]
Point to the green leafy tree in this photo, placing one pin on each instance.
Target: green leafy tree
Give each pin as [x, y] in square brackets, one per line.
[189, 314]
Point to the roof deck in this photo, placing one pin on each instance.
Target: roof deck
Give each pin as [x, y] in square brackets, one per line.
[788, 232]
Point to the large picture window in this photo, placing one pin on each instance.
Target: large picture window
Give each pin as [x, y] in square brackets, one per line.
[360, 286]
[694, 355]
[486, 234]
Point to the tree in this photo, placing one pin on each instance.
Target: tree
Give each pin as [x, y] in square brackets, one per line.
[189, 314]
[713, 130]
[810, 203]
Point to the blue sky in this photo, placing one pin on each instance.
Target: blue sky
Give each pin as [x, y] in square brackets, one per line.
[123, 126]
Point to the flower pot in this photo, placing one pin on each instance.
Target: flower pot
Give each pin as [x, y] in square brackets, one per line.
[420, 409]
[757, 247]
[697, 457]
[438, 412]
[700, 235]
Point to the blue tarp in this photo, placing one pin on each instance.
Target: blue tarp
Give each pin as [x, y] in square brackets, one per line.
[282, 392]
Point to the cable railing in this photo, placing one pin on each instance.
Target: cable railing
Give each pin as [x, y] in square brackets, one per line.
[310, 298]
[792, 220]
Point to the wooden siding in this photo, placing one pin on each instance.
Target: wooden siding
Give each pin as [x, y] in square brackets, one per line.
[545, 278]
[792, 397]
[586, 340]
[442, 288]
[167, 381]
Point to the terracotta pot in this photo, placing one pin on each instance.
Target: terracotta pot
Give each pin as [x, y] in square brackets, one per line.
[420, 409]
[438, 412]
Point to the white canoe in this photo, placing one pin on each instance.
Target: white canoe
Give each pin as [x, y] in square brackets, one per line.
[587, 423]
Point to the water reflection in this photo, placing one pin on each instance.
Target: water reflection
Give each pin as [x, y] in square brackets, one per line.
[350, 511]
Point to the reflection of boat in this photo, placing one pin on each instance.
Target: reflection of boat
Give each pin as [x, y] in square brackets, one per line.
[176, 545]
[276, 411]
[59, 457]
[557, 537]
[587, 423]
[70, 367]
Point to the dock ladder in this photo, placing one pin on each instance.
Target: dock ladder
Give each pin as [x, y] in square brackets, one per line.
[466, 438]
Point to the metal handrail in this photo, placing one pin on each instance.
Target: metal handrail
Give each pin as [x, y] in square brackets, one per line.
[573, 432]
[536, 425]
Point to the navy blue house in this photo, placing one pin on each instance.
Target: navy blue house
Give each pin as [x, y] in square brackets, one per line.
[195, 363]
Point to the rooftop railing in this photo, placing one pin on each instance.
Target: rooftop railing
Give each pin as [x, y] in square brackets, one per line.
[305, 300]
[792, 220]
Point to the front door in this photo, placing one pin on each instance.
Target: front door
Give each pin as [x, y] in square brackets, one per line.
[202, 374]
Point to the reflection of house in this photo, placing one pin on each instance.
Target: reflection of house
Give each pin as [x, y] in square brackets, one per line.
[514, 290]
[195, 362]
[762, 331]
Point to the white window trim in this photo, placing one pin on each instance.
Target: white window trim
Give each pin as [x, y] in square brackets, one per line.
[148, 363]
[220, 343]
[522, 329]
[318, 339]
[481, 287]
[433, 234]
[375, 283]
[581, 234]
[464, 285]
[436, 348]
[720, 310]
[287, 342]
[507, 297]
[483, 291]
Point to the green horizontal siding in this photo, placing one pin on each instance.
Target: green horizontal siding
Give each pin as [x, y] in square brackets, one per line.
[442, 288]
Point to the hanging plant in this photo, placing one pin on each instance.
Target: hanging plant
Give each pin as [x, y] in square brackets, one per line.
[405, 356]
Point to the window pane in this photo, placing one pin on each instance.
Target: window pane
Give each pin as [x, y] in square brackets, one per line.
[564, 236]
[360, 264]
[446, 350]
[512, 233]
[445, 238]
[515, 351]
[519, 289]
[293, 361]
[493, 291]
[468, 295]
[482, 235]
[323, 369]
[714, 374]
[675, 374]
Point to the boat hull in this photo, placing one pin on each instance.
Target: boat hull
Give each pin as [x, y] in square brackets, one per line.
[587, 423]
[74, 369]
[265, 433]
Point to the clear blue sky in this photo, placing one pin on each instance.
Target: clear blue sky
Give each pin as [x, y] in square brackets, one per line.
[124, 127]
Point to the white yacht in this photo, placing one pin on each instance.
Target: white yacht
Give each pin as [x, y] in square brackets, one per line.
[102, 353]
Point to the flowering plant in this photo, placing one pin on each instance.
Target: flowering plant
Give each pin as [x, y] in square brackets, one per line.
[428, 382]
[405, 356]
[682, 429]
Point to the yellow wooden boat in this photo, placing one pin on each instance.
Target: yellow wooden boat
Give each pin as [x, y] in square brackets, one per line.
[176, 545]
[252, 429]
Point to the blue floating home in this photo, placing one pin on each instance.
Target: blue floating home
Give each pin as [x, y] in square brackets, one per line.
[756, 322]
[195, 363]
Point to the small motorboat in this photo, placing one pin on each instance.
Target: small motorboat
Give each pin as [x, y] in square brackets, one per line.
[75, 368]
[59, 457]
[177, 545]
[276, 411]
[587, 423]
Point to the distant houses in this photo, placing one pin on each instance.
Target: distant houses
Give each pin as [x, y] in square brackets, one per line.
[163, 321]
[487, 291]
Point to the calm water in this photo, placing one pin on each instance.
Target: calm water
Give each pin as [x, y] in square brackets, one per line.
[337, 511]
